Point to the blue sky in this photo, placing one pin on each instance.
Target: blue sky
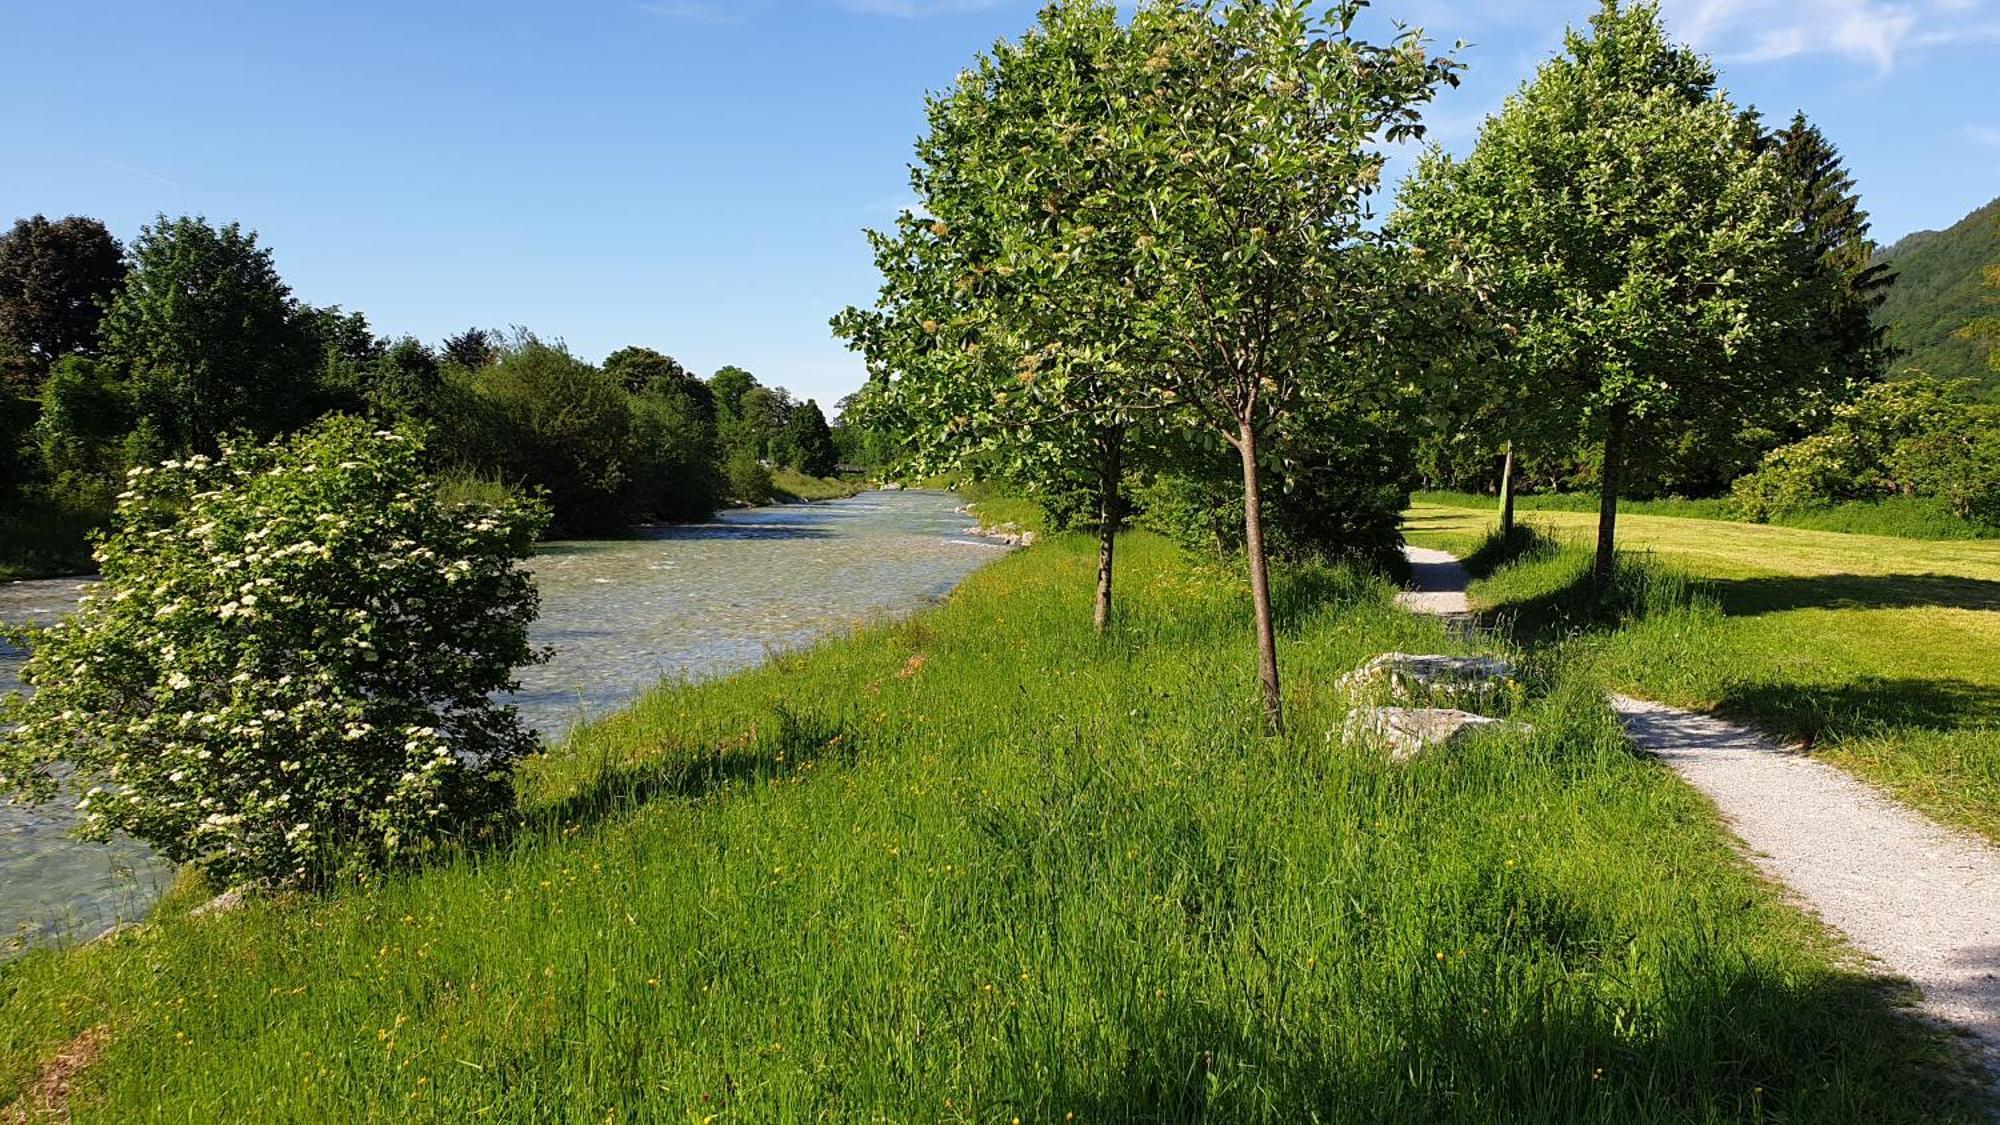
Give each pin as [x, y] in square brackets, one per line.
[694, 175]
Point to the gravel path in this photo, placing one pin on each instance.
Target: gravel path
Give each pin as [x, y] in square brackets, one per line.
[1923, 900]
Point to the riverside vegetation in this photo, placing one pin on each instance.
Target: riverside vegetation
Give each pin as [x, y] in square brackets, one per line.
[117, 357]
[914, 873]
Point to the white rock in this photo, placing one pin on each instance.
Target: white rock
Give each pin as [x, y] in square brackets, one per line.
[1407, 731]
[1409, 676]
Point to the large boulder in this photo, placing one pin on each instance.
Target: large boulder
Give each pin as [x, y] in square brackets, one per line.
[1408, 731]
[1414, 678]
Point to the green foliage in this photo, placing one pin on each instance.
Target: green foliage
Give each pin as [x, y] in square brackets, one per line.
[748, 480]
[1939, 275]
[55, 278]
[1907, 438]
[286, 671]
[811, 440]
[1638, 249]
[210, 336]
[471, 349]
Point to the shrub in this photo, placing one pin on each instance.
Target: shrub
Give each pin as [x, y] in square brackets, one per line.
[286, 672]
[749, 481]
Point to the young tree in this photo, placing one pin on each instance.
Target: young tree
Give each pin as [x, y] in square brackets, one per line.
[210, 336]
[55, 279]
[999, 342]
[1638, 249]
[1244, 158]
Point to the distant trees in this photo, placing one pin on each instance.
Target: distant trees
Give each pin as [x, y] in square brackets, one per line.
[55, 278]
[811, 440]
[1641, 255]
[1914, 437]
[209, 336]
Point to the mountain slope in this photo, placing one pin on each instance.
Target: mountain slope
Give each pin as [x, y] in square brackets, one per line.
[1940, 289]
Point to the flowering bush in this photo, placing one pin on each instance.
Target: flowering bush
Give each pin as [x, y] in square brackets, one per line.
[286, 671]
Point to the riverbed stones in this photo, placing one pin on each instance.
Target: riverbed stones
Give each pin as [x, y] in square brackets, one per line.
[1408, 731]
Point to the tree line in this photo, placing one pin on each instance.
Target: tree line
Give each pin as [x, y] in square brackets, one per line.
[115, 357]
[1145, 275]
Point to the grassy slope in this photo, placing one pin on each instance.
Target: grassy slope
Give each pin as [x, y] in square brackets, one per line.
[981, 866]
[1883, 653]
[792, 486]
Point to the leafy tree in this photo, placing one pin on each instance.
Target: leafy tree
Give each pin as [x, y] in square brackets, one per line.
[1987, 328]
[1240, 169]
[85, 415]
[726, 388]
[749, 481]
[761, 417]
[290, 663]
[640, 368]
[1000, 339]
[210, 336]
[555, 422]
[812, 440]
[55, 279]
[1638, 248]
[471, 349]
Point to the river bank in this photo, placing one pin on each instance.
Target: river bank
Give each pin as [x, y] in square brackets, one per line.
[676, 602]
[982, 864]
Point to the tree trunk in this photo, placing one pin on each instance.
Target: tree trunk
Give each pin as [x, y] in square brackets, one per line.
[1507, 495]
[1607, 504]
[1110, 514]
[1260, 578]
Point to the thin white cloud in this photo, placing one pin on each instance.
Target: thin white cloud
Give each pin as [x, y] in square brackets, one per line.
[1984, 134]
[140, 172]
[695, 11]
[917, 9]
[1876, 32]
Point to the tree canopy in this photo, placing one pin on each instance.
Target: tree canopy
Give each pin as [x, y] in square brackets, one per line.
[1637, 245]
[56, 276]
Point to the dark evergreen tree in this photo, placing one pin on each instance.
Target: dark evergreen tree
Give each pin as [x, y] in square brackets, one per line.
[471, 349]
[1826, 208]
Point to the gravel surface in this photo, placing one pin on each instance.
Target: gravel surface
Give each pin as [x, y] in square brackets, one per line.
[1922, 900]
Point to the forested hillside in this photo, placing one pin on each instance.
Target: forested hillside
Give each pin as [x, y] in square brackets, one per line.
[1939, 290]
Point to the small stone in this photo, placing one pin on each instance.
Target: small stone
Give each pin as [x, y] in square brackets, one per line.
[228, 902]
[1408, 731]
[112, 931]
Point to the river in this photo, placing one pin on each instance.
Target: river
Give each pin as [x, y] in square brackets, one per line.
[687, 601]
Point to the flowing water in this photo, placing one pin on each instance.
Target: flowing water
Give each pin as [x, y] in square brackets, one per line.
[683, 601]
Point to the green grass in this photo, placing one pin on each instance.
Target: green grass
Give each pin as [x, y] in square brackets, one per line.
[1881, 654]
[984, 866]
[1903, 517]
[791, 487]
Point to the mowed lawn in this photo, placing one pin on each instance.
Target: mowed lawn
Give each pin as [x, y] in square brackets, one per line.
[1882, 655]
[984, 866]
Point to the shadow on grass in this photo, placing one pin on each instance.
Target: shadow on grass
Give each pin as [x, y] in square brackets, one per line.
[1748, 597]
[1861, 706]
[1728, 1042]
[791, 744]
